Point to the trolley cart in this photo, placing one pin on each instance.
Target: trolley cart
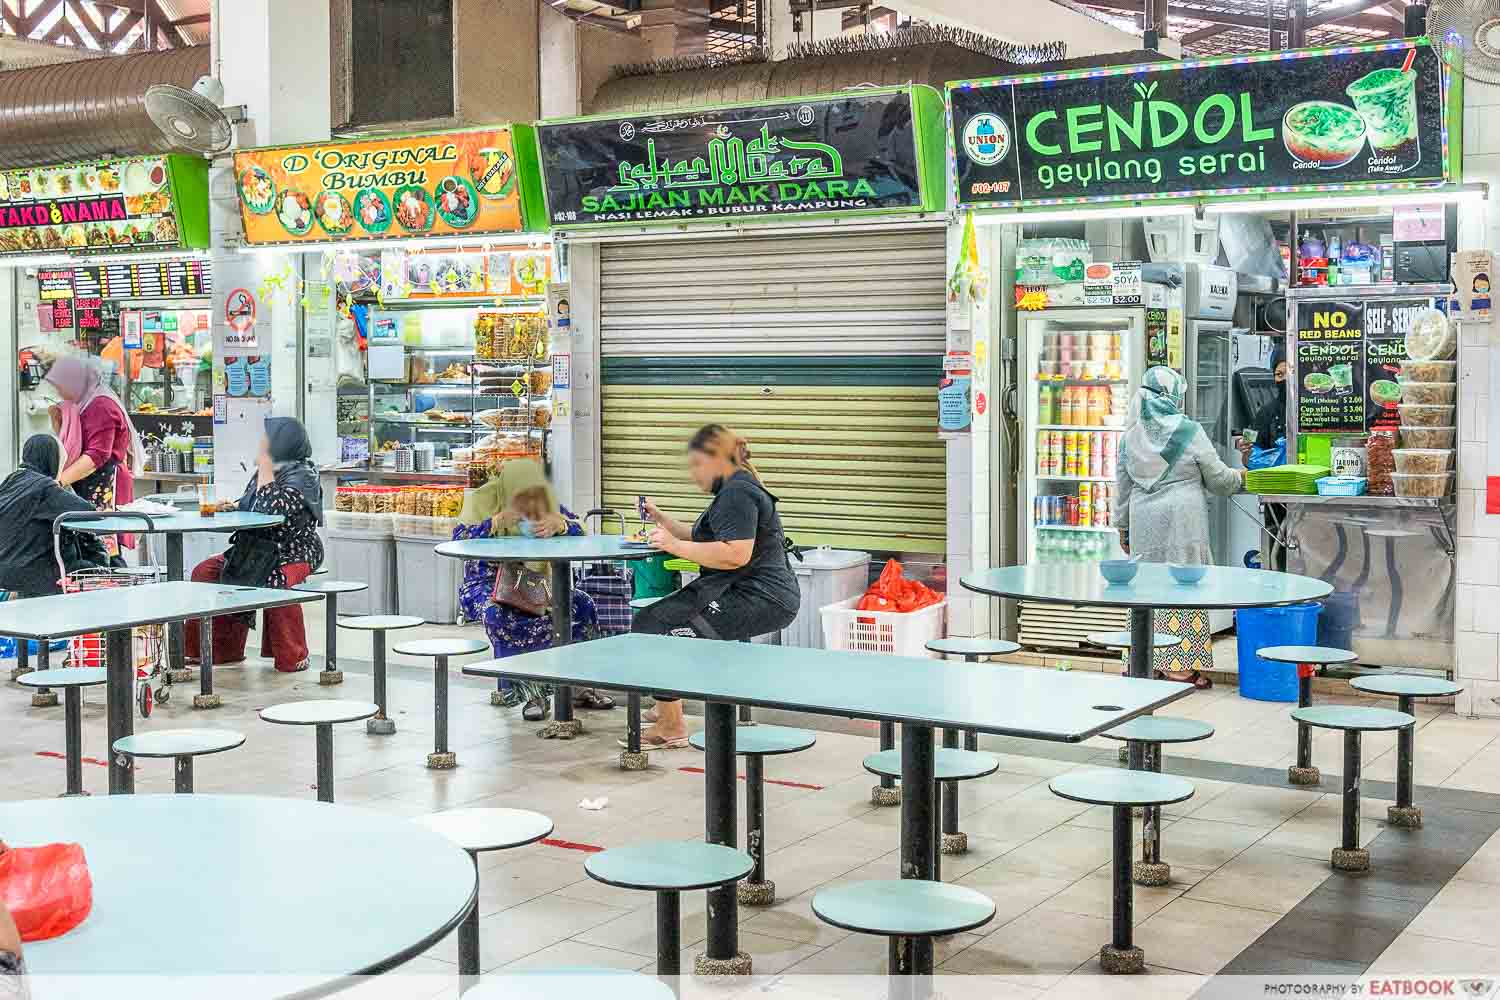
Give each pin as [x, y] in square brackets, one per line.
[608, 582]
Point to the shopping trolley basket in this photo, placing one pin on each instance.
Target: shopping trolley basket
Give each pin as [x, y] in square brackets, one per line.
[149, 643]
[608, 582]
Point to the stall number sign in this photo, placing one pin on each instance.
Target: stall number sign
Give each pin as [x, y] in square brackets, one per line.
[1331, 118]
[1347, 363]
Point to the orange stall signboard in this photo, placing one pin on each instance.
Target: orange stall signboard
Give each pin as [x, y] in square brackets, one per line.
[409, 187]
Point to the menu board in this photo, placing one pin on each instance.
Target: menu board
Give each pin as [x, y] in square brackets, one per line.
[114, 205]
[53, 285]
[1347, 362]
[157, 279]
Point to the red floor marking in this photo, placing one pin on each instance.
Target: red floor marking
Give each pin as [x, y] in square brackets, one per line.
[769, 781]
[59, 756]
[569, 845]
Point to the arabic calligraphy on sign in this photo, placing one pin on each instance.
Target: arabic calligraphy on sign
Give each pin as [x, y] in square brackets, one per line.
[732, 160]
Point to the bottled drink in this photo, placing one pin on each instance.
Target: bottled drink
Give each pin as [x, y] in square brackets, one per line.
[1046, 403]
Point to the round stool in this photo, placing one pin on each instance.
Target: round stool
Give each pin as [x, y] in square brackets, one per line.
[1121, 640]
[755, 744]
[441, 757]
[41, 697]
[478, 831]
[1406, 688]
[670, 868]
[570, 984]
[1308, 659]
[1122, 791]
[1353, 721]
[911, 912]
[379, 625]
[330, 589]
[324, 714]
[949, 767]
[1151, 731]
[182, 745]
[72, 680]
[632, 758]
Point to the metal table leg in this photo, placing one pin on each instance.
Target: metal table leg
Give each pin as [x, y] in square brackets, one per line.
[206, 698]
[1405, 813]
[176, 659]
[120, 706]
[468, 939]
[886, 793]
[325, 761]
[381, 724]
[331, 673]
[182, 774]
[1142, 646]
[668, 932]
[1349, 856]
[952, 840]
[23, 659]
[441, 757]
[971, 736]
[918, 845]
[631, 758]
[43, 697]
[756, 890]
[563, 723]
[73, 739]
[1303, 772]
[1121, 955]
[1151, 870]
[722, 955]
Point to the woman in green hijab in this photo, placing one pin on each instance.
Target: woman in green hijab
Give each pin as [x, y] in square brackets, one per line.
[1167, 468]
[518, 500]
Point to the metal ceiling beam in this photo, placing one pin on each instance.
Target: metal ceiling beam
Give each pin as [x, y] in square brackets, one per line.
[1352, 16]
[1203, 34]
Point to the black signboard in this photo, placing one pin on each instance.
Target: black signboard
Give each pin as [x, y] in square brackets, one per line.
[833, 155]
[159, 279]
[90, 313]
[1349, 116]
[54, 285]
[1347, 362]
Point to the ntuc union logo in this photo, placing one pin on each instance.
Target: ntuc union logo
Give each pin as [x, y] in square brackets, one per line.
[986, 139]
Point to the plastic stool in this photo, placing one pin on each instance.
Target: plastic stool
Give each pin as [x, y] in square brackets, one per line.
[1152, 731]
[1407, 688]
[331, 589]
[1308, 659]
[441, 758]
[72, 680]
[911, 912]
[950, 766]
[182, 745]
[324, 714]
[1354, 721]
[379, 625]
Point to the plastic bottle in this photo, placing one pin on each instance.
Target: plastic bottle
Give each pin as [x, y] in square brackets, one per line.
[1335, 256]
[1046, 403]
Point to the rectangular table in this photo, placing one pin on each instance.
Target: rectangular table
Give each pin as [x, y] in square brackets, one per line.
[922, 694]
[117, 611]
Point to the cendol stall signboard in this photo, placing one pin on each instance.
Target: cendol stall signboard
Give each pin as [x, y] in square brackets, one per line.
[454, 184]
[1378, 114]
[861, 153]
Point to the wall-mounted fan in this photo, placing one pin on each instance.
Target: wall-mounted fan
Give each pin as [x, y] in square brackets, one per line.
[1475, 24]
[194, 120]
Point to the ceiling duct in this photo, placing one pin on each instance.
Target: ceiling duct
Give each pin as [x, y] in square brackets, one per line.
[919, 54]
[90, 108]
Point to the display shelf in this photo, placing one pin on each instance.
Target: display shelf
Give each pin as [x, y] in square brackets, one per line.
[1059, 380]
[1091, 428]
[1076, 479]
[1092, 529]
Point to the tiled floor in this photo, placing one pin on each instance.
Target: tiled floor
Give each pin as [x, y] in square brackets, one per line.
[1249, 854]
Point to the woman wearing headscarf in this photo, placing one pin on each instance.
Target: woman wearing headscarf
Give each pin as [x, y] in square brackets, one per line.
[101, 449]
[1167, 468]
[1269, 422]
[518, 500]
[285, 483]
[29, 501]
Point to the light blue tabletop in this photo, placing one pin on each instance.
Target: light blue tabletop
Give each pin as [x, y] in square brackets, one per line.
[903, 907]
[370, 890]
[1355, 717]
[187, 522]
[1121, 640]
[64, 615]
[62, 677]
[1000, 699]
[318, 711]
[960, 646]
[948, 764]
[1410, 685]
[1306, 654]
[488, 829]
[179, 742]
[677, 865]
[1120, 787]
[1162, 729]
[1153, 587]
[763, 741]
[564, 548]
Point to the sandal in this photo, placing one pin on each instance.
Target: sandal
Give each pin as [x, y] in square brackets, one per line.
[535, 710]
[589, 698]
[1201, 682]
[656, 743]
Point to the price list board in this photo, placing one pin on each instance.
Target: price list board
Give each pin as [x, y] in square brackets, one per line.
[160, 279]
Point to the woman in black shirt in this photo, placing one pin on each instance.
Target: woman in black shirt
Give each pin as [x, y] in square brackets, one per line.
[746, 587]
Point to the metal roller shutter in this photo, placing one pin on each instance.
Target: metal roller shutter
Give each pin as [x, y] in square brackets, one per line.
[871, 292]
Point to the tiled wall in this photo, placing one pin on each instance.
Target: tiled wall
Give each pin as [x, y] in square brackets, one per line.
[1477, 656]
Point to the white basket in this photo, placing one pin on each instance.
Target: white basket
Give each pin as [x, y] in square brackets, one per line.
[421, 526]
[889, 632]
[355, 521]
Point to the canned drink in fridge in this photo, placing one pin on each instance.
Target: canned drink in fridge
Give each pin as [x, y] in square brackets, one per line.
[1044, 453]
[1085, 505]
[1085, 448]
[1070, 453]
[1054, 510]
[1072, 508]
[1055, 446]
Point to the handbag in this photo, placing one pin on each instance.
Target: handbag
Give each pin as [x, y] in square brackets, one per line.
[520, 587]
[250, 561]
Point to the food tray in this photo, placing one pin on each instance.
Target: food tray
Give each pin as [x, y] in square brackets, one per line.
[1423, 461]
[1428, 437]
[1429, 393]
[1430, 487]
[1427, 416]
[1429, 371]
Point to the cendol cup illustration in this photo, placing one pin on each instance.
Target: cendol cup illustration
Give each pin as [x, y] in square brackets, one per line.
[1322, 133]
[1387, 101]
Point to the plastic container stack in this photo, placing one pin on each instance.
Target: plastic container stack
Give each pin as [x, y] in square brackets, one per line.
[1429, 389]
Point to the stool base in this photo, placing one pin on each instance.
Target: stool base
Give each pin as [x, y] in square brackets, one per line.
[1406, 817]
[739, 965]
[207, 701]
[182, 676]
[73, 795]
[1355, 859]
[882, 796]
[380, 727]
[442, 761]
[497, 699]
[756, 893]
[16, 673]
[1122, 961]
[1303, 775]
[43, 699]
[330, 677]
[956, 843]
[1151, 873]
[633, 761]
[560, 730]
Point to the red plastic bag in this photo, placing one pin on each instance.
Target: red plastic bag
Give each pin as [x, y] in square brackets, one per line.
[894, 592]
[47, 889]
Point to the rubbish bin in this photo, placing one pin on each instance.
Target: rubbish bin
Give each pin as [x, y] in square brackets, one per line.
[826, 576]
[1294, 625]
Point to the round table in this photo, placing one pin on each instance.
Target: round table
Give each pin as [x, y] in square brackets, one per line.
[559, 553]
[304, 891]
[174, 526]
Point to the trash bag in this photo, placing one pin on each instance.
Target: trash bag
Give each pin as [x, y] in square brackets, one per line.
[47, 889]
[894, 592]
